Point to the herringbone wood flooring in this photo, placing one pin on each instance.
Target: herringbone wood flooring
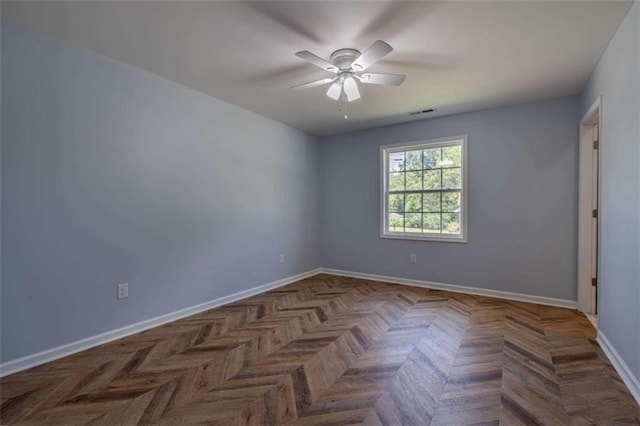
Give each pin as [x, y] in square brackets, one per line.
[334, 350]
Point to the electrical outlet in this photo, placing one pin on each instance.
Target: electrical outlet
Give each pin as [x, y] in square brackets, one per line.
[123, 291]
[282, 258]
[412, 258]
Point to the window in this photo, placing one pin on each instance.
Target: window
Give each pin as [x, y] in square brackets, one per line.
[424, 190]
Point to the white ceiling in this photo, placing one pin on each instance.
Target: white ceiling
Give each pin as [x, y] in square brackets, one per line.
[458, 56]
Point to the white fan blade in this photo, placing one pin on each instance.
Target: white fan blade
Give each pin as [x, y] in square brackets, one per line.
[334, 91]
[317, 61]
[378, 78]
[351, 89]
[314, 83]
[370, 56]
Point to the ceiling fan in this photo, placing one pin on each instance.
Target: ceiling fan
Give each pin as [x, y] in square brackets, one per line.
[349, 66]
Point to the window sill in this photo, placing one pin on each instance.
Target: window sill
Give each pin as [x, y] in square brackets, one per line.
[419, 237]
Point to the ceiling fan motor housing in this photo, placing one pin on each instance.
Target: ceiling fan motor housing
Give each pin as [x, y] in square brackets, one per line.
[343, 58]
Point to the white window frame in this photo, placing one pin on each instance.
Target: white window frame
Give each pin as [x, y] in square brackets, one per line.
[384, 193]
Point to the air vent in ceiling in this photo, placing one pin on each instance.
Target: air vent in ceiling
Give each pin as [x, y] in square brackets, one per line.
[424, 111]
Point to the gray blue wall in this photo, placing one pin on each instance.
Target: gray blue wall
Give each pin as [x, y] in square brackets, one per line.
[523, 168]
[111, 175]
[617, 79]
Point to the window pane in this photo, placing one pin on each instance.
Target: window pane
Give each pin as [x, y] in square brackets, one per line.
[431, 202]
[431, 222]
[396, 222]
[396, 203]
[414, 160]
[414, 180]
[412, 222]
[413, 203]
[451, 223]
[451, 178]
[396, 181]
[396, 162]
[451, 202]
[451, 156]
[431, 158]
[432, 179]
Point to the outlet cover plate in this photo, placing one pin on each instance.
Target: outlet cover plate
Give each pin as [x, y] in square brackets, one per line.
[123, 291]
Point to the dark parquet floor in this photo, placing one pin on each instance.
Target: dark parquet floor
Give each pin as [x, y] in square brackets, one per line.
[335, 350]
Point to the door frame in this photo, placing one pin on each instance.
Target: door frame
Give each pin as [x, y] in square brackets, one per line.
[586, 301]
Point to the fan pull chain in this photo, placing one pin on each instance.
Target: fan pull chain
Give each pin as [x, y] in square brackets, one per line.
[342, 104]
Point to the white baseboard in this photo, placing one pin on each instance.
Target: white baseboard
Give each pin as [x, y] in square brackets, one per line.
[572, 304]
[627, 376]
[52, 354]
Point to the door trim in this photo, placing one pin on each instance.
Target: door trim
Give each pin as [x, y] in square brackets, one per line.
[586, 302]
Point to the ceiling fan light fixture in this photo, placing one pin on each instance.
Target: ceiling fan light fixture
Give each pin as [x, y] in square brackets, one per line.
[351, 89]
[334, 91]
